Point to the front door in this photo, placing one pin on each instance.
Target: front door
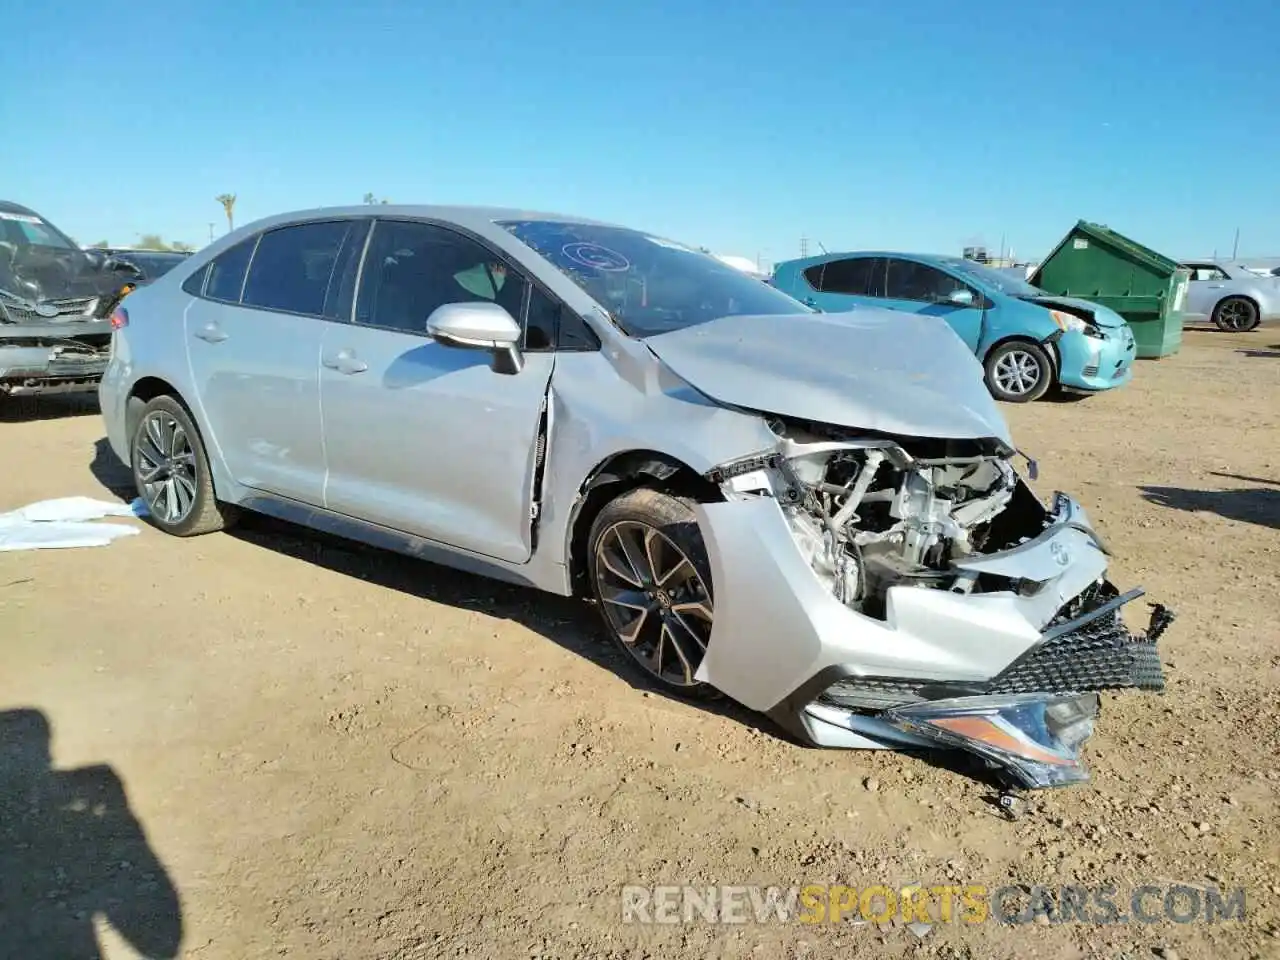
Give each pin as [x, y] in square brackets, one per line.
[254, 343]
[422, 437]
[919, 288]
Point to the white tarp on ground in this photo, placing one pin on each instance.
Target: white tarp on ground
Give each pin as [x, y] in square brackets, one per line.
[67, 522]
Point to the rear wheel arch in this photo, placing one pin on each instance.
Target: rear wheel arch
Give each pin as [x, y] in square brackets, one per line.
[147, 389]
[1214, 314]
[611, 478]
[143, 392]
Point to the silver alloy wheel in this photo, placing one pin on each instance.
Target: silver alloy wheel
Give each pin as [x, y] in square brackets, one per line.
[1236, 314]
[1017, 372]
[655, 600]
[166, 467]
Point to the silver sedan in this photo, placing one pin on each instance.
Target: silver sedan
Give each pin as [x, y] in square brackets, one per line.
[1234, 297]
[817, 515]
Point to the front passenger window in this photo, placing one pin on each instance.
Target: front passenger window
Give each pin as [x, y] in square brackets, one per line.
[413, 268]
[908, 280]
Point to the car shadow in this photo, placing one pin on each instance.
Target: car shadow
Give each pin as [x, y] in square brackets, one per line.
[1245, 478]
[571, 623]
[1270, 350]
[1248, 506]
[110, 471]
[55, 407]
[72, 850]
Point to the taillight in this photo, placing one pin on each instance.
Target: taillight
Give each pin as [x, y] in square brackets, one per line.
[119, 318]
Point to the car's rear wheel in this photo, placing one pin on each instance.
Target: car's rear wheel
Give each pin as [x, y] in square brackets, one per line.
[1236, 315]
[171, 472]
[650, 576]
[1019, 371]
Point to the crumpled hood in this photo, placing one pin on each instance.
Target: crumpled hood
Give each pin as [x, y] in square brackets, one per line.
[1102, 316]
[871, 369]
[65, 276]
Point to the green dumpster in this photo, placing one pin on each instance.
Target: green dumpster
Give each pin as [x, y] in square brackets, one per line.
[1095, 263]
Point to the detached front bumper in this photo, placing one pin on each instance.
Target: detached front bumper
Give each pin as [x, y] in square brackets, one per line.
[941, 667]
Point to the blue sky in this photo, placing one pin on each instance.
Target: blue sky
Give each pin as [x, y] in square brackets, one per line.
[741, 126]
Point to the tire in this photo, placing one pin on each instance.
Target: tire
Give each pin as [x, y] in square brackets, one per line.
[671, 579]
[1010, 364]
[167, 442]
[1236, 315]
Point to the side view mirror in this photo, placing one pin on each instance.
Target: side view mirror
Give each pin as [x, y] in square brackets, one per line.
[479, 326]
[961, 298]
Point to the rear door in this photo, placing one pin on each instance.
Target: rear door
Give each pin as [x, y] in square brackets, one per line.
[1204, 290]
[253, 342]
[422, 437]
[843, 284]
[920, 288]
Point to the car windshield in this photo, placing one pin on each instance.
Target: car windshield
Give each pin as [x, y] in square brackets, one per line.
[28, 230]
[1007, 283]
[650, 285]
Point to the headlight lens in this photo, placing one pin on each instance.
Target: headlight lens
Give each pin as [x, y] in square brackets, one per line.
[1070, 322]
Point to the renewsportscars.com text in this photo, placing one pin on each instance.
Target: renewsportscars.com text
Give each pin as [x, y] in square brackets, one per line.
[968, 903]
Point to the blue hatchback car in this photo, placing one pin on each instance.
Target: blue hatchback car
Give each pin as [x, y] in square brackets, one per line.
[1028, 341]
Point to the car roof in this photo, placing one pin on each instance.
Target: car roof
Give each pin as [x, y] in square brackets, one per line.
[475, 217]
[8, 206]
[804, 262]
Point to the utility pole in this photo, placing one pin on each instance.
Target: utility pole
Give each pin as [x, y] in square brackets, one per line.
[1235, 247]
[804, 247]
[211, 231]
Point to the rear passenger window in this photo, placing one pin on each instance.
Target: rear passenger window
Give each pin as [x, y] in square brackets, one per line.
[226, 274]
[292, 266]
[194, 284]
[852, 276]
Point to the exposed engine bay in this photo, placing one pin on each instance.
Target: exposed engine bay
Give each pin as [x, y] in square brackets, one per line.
[868, 514]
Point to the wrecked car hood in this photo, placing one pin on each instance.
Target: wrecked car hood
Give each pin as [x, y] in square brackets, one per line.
[28, 280]
[871, 369]
[1102, 316]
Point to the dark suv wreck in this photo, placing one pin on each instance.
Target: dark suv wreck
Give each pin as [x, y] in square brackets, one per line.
[56, 302]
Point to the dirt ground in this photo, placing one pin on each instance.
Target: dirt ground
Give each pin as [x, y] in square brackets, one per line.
[336, 753]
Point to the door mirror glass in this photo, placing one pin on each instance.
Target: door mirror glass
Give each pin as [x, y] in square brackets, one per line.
[484, 326]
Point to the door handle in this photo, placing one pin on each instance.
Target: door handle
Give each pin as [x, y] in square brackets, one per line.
[345, 362]
[211, 333]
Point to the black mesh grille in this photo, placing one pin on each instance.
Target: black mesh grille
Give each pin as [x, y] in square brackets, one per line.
[857, 693]
[1101, 655]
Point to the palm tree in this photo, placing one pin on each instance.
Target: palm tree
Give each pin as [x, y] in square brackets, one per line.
[228, 201]
[369, 198]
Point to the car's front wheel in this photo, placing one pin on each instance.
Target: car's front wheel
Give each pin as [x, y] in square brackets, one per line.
[649, 573]
[171, 472]
[1019, 371]
[1236, 315]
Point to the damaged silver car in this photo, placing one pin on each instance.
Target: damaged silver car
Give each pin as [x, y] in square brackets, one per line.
[55, 305]
[817, 515]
